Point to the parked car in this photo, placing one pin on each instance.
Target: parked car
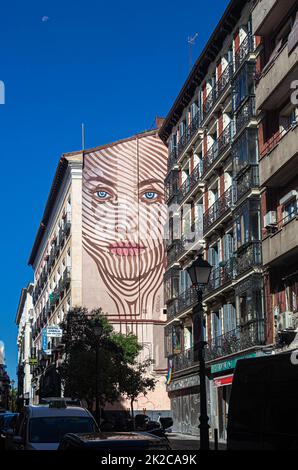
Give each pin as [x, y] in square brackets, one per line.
[113, 441]
[263, 409]
[42, 427]
[67, 400]
[7, 425]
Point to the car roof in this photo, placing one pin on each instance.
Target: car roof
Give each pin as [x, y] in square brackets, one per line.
[41, 411]
[113, 436]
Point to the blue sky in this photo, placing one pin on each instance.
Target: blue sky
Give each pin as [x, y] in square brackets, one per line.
[112, 65]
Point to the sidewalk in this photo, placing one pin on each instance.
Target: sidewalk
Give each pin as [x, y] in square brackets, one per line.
[188, 442]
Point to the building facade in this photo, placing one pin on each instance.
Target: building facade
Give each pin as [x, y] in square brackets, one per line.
[213, 195]
[277, 106]
[100, 244]
[4, 381]
[24, 318]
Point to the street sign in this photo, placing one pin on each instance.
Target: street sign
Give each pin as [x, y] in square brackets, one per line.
[54, 331]
[44, 339]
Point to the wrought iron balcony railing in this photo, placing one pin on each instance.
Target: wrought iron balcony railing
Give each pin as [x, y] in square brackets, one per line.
[185, 359]
[175, 251]
[189, 133]
[219, 146]
[246, 113]
[245, 48]
[172, 159]
[222, 275]
[250, 257]
[188, 185]
[243, 337]
[187, 299]
[247, 181]
[217, 91]
[218, 209]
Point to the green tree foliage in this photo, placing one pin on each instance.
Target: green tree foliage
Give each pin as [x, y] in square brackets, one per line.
[118, 371]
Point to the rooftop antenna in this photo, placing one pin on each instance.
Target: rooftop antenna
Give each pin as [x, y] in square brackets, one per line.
[191, 42]
[83, 136]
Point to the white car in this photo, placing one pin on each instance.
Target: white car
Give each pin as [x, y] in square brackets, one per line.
[41, 427]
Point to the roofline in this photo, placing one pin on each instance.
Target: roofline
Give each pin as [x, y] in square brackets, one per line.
[112, 144]
[22, 299]
[58, 178]
[197, 75]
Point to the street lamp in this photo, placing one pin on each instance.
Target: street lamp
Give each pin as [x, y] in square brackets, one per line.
[199, 272]
[97, 330]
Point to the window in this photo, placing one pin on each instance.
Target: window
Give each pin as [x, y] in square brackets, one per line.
[243, 86]
[216, 325]
[51, 430]
[229, 317]
[290, 210]
[245, 150]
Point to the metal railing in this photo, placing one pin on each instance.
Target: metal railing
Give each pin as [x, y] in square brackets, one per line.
[246, 113]
[244, 49]
[222, 275]
[251, 257]
[218, 209]
[216, 92]
[247, 181]
[243, 337]
[189, 133]
[191, 181]
[218, 147]
[185, 359]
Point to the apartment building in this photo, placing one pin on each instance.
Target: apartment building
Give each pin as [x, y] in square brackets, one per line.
[4, 381]
[213, 195]
[100, 244]
[24, 318]
[277, 23]
[56, 259]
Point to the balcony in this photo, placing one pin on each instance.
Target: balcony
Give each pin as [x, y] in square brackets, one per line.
[274, 83]
[267, 15]
[191, 131]
[194, 180]
[221, 206]
[243, 337]
[172, 158]
[247, 181]
[218, 90]
[175, 251]
[279, 159]
[221, 276]
[185, 359]
[217, 149]
[249, 257]
[246, 115]
[281, 244]
[245, 48]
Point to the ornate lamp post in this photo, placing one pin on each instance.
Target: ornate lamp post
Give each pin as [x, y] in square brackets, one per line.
[97, 330]
[199, 272]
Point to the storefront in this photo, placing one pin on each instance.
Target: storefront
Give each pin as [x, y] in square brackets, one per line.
[221, 379]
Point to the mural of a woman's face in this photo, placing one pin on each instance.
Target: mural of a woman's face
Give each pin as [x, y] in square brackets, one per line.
[124, 213]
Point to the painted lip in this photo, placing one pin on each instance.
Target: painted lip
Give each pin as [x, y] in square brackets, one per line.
[126, 249]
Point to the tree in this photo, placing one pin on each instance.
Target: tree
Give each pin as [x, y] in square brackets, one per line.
[136, 381]
[118, 372]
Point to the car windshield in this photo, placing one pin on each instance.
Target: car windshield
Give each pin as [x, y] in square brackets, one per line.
[52, 429]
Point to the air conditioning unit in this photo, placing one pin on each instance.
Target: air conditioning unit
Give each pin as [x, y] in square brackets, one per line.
[270, 219]
[285, 321]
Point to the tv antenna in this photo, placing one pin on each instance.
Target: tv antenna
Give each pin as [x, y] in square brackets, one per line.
[191, 42]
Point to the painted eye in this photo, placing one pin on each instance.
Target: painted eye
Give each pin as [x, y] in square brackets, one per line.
[150, 196]
[102, 194]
